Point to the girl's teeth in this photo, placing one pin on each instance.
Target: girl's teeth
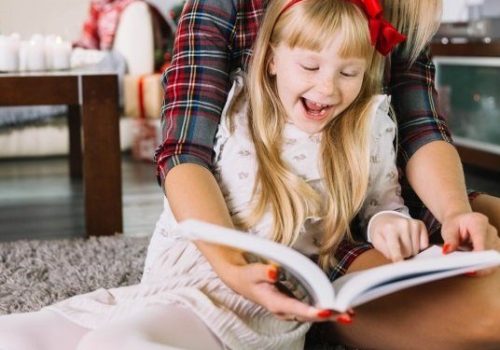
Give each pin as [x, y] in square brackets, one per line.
[315, 106]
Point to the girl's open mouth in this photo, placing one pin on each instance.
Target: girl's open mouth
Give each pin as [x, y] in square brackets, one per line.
[315, 110]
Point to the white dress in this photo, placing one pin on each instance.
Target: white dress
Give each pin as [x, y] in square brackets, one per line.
[177, 273]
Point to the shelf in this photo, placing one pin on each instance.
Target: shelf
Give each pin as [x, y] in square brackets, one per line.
[467, 49]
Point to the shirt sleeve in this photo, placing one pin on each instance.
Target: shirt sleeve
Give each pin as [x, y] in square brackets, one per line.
[384, 190]
[196, 84]
[415, 102]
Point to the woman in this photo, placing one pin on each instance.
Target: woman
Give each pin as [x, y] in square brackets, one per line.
[216, 37]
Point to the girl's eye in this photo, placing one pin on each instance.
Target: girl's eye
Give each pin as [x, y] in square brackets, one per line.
[310, 69]
[349, 74]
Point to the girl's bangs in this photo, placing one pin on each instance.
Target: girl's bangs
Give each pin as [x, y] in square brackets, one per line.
[313, 26]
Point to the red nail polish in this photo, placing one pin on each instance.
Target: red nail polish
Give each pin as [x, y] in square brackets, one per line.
[447, 248]
[272, 273]
[344, 319]
[471, 274]
[324, 313]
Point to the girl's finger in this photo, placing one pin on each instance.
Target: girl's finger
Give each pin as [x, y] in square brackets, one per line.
[424, 237]
[394, 246]
[415, 237]
[380, 244]
[406, 241]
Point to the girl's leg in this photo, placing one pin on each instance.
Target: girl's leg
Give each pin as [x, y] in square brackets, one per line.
[42, 330]
[455, 313]
[159, 327]
[489, 206]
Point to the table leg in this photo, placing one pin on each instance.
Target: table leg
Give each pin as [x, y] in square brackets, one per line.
[75, 142]
[101, 155]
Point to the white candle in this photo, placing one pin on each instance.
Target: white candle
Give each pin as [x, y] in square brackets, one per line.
[36, 54]
[23, 55]
[49, 42]
[61, 54]
[9, 53]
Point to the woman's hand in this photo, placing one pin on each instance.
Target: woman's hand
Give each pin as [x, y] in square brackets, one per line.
[470, 231]
[398, 237]
[256, 282]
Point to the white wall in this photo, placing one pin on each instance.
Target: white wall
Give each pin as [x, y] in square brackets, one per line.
[65, 17]
[456, 10]
[60, 17]
[26, 17]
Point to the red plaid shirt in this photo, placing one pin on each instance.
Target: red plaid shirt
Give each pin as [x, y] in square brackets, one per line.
[215, 37]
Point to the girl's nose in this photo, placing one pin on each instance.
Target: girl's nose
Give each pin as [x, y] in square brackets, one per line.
[328, 87]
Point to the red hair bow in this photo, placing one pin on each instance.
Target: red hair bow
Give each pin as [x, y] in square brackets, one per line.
[383, 35]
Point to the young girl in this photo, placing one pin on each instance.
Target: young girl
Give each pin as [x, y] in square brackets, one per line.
[304, 147]
[306, 143]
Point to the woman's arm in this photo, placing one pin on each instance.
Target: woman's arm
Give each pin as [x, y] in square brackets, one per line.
[431, 163]
[196, 84]
[435, 173]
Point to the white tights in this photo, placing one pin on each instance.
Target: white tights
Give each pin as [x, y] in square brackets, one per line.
[159, 327]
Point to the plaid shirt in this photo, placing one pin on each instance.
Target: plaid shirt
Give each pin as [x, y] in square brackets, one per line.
[215, 37]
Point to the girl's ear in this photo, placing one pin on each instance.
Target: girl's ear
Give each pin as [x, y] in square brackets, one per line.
[271, 66]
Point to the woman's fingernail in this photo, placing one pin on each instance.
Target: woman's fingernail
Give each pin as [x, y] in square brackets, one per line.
[272, 273]
[324, 313]
[471, 274]
[447, 248]
[344, 319]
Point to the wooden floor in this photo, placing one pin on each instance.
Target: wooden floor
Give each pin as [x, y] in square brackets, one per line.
[38, 200]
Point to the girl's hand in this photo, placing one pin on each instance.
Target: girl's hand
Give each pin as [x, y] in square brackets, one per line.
[470, 231]
[397, 237]
[256, 282]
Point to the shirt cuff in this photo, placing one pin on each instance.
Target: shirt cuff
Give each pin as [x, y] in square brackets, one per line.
[171, 162]
[368, 236]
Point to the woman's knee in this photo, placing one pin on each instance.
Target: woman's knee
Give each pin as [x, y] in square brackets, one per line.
[485, 328]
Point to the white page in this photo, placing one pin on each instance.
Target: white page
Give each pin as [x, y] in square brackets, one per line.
[353, 287]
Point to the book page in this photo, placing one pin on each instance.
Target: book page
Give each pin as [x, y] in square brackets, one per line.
[299, 274]
[360, 287]
[302, 278]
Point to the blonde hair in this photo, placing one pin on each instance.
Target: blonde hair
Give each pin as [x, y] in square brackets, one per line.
[417, 19]
[344, 145]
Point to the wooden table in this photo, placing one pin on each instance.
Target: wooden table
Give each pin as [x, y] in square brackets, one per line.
[92, 101]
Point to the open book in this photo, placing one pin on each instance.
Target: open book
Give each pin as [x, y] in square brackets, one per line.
[303, 279]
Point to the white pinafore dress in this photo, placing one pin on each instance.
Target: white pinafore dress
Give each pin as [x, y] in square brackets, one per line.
[177, 273]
